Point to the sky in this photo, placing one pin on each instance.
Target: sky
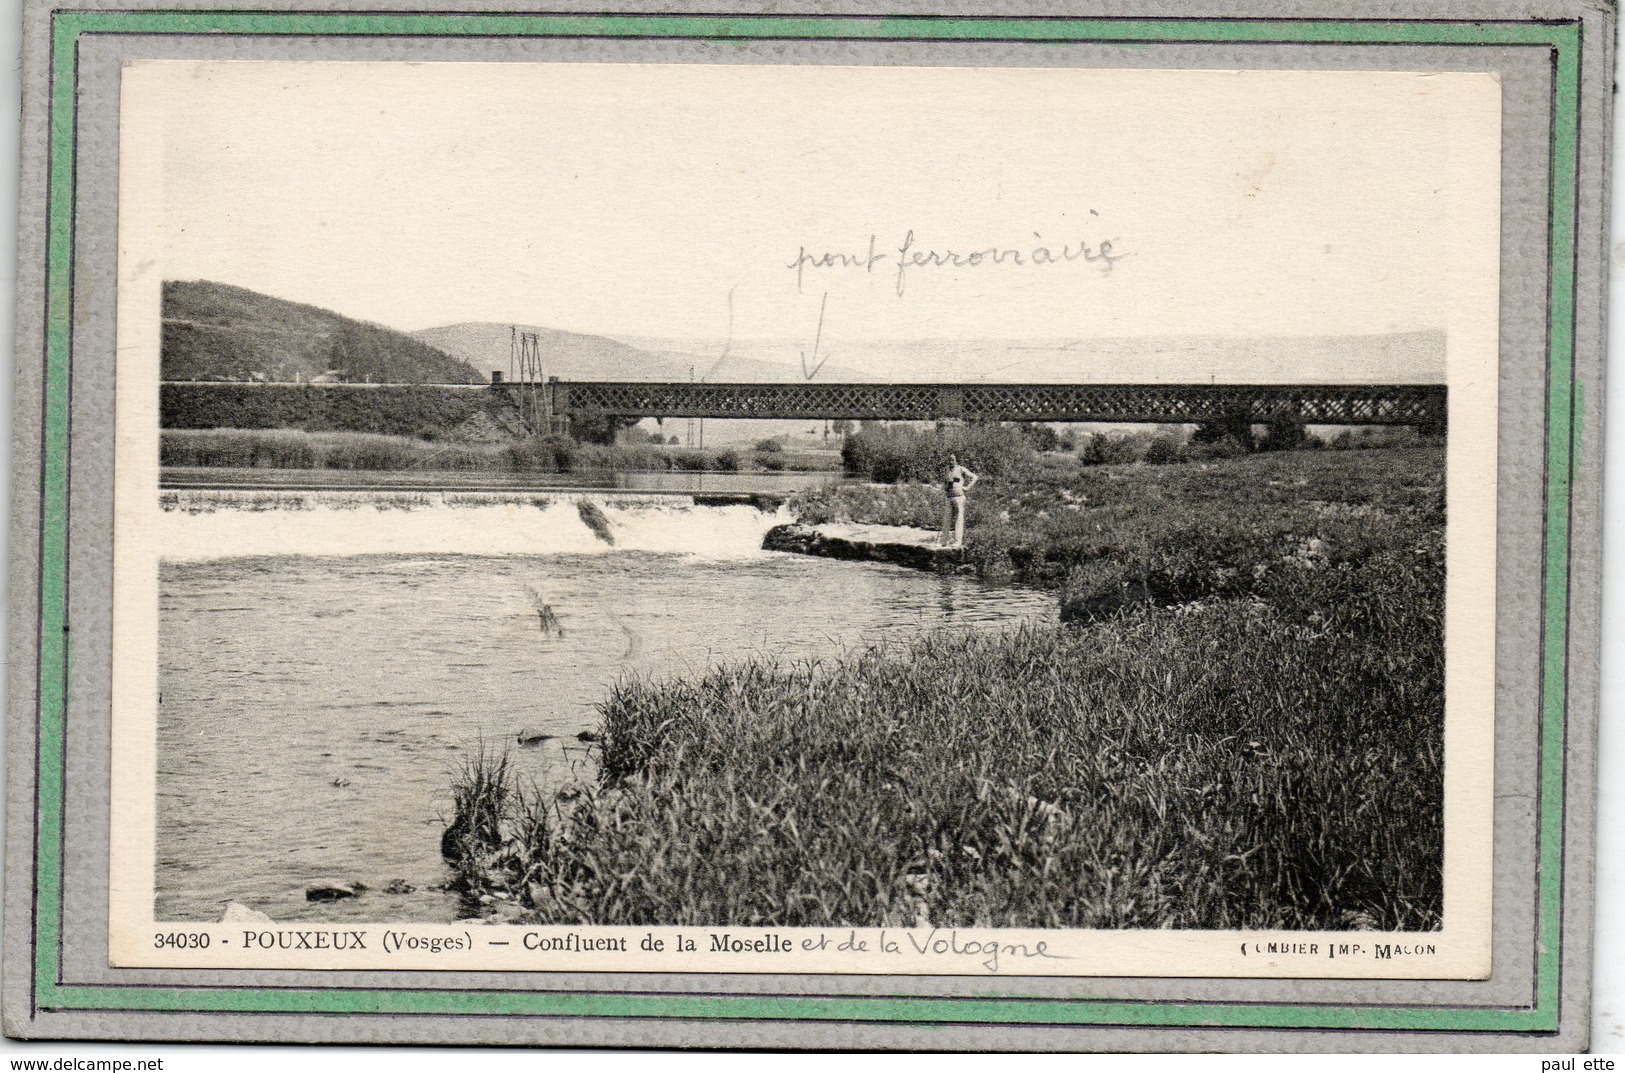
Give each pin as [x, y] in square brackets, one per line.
[695, 201]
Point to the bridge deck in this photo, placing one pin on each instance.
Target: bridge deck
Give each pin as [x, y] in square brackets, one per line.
[1324, 404]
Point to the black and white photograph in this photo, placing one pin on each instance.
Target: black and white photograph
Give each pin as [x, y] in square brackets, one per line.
[799, 510]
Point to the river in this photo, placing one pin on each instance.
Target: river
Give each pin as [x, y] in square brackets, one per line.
[327, 660]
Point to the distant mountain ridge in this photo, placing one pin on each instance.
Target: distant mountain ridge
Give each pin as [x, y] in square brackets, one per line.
[215, 331]
[1407, 357]
[486, 347]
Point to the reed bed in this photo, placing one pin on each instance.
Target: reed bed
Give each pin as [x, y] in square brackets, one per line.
[299, 449]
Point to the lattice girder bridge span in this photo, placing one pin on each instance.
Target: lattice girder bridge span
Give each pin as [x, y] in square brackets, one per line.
[1421, 405]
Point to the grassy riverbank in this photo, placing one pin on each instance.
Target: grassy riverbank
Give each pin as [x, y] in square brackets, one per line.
[298, 449]
[1242, 727]
[1184, 530]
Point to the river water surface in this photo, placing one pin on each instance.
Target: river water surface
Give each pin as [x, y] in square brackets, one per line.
[313, 707]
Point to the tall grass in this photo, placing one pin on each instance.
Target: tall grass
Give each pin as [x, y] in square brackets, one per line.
[482, 795]
[1225, 767]
[500, 837]
[297, 449]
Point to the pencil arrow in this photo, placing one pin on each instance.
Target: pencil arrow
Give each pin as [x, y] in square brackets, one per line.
[810, 373]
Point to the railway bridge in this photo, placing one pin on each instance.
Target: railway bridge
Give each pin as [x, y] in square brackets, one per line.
[1421, 405]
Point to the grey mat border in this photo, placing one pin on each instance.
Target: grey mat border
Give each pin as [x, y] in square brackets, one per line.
[84, 506]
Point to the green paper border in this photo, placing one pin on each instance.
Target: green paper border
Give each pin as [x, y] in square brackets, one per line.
[52, 994]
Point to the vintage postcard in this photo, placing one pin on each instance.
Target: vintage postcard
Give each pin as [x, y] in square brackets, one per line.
[689, 507]
[421, 624]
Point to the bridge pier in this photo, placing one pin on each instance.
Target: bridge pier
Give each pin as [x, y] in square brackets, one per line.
[538, 403]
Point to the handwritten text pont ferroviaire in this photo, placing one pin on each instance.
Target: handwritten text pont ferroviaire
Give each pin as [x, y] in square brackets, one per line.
[911, 254]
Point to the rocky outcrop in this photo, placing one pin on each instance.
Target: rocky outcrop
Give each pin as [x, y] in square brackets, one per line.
[835, 543]
[238, 913]
[766, 502]
[332, 890]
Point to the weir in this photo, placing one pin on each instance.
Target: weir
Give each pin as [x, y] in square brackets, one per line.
[263, 488]
[198, 525]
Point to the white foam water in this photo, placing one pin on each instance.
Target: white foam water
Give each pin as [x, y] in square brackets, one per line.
[213, 525]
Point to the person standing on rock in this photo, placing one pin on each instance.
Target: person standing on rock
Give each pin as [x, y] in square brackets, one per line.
[956, 481]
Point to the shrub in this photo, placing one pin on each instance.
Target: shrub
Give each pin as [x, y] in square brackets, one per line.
[728, 460]
[268, 449]
[770, 446]
[1039, 436]
[634, 457]
[602, 429]
[1103, 449]
[1285, 432]
[1205, 452]
[690, 459]
[893, 453]
[1235, 423]
[461, 457]
[370, 453]
[1163, 450]
[637, 436]
[544, 454]
[1359, 439]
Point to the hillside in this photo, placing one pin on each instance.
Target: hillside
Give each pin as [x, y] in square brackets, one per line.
[213, 331]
